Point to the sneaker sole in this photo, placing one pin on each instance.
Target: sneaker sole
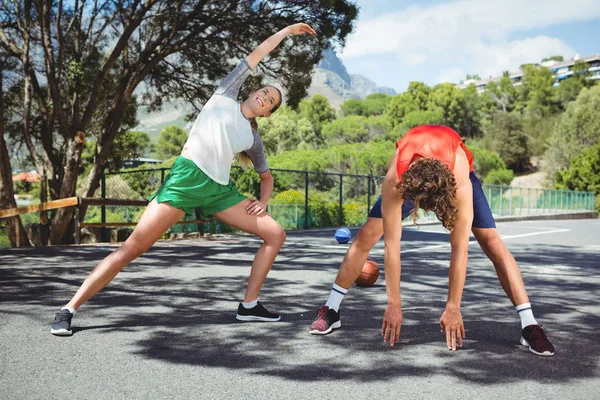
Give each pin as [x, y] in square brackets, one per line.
[254, 318]
[335, 325]
[61, 332]
[544, 354]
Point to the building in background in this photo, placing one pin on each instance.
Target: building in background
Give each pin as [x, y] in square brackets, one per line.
[560, 69]
[136, 162]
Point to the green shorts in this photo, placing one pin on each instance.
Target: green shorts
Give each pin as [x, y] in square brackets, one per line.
[187, 187]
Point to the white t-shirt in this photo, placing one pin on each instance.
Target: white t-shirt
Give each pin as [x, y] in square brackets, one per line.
[221, 131]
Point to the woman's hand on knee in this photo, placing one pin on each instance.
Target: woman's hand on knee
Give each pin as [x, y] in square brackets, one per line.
[256, 207]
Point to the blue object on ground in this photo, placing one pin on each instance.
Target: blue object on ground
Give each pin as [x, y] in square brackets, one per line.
[343, 235]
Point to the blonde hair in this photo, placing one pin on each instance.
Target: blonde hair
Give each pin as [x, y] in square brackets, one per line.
[242, 158]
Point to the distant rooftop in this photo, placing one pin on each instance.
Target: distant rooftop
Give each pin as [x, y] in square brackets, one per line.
[554, 66]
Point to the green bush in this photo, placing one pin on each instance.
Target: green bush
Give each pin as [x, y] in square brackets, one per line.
[323, 212]
[355, 214]
[499, 177]
[485, 160]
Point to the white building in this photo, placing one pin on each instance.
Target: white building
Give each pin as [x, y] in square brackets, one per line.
[560, 69]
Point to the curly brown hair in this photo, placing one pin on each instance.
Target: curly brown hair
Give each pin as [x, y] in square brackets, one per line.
[432, 187]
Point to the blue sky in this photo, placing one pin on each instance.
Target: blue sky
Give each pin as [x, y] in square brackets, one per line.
[398, 41]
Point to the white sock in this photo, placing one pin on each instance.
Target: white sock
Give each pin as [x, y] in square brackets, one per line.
[250, 304]
[71, 310]
[526, 315]
[335, 297]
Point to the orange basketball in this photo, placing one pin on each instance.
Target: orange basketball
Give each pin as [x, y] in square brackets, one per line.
[369, 274]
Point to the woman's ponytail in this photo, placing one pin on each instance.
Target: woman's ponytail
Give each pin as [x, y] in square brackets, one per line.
[242, 158]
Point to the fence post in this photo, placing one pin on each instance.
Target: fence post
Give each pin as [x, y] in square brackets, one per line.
[520, 201]
[77, 233]
[162, 176]
[369, 193]
[44, 214]
[103, 230]
[341, 210]
[305, 199]
[510, 210]
[501, 198]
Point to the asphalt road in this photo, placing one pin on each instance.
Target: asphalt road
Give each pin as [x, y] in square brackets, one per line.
[165, 328]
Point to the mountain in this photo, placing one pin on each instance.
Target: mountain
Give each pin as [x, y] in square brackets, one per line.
[330, 79]
[153, 123]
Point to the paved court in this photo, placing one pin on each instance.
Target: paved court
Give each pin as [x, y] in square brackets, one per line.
[165, 328]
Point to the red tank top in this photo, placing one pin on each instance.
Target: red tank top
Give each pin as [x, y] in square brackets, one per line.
[430, 141]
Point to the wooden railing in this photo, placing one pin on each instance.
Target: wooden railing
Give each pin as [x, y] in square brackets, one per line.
[79, 202]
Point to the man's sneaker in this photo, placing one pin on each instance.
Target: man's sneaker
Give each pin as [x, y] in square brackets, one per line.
[327, 320]
[534, 337]
[62, 323]
[256, 313]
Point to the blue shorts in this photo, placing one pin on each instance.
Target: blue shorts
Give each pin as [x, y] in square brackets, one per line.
[482, 215]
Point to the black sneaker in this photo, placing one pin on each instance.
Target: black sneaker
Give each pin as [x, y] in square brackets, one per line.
[62, 323]
[534, 337]
[256, 313]
[326, 321]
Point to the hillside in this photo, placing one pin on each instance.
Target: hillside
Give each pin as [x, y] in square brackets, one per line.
[332, 80]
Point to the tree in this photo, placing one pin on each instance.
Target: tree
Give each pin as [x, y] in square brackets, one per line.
[415, 98]
[419, 117]
[583, 173]
[318, 111]
[352, 107]
[537, 91]
[379, 127]
[287, 130]
[447, 100]
[81, 64]
[577, 129]
[485, 161]
[170, 142]
[128, 146]
[16, 232]
[569, 88]
[509, 140]
[376, 104]
[350, 129]
[499, 177]
[500, 95]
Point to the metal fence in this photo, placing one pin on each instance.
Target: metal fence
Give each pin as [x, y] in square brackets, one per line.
[306, 199]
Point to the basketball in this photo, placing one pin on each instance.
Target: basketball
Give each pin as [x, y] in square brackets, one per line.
[369, 274]
[343, 235]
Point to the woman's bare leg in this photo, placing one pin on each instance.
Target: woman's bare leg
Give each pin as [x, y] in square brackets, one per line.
[268, 230]
[506, 267]
[357, 254]
[157, 218]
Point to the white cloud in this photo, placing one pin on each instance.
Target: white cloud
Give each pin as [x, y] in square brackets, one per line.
[490, 59]
[451, 75]
[472, 33]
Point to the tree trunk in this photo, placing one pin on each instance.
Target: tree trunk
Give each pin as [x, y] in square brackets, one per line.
[62, 216]
[16, 232]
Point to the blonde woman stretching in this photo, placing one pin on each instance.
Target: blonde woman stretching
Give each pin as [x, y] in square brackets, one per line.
[199, 178]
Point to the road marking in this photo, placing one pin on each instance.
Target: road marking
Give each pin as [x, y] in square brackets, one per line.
[439, 246]
[534, 234]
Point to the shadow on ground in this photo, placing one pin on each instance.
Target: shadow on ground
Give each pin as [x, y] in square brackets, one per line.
[175, 293]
